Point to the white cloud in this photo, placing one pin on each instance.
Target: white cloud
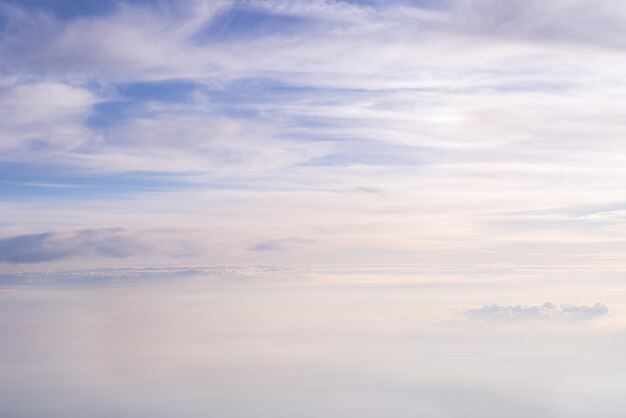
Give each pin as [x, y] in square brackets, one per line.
[45, 116]
[547, 311]
[133, 42]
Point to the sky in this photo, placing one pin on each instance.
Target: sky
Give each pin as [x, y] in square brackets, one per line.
[348, 208]
[320, 132]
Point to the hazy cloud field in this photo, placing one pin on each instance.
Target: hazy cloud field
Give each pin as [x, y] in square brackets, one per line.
[324, 208]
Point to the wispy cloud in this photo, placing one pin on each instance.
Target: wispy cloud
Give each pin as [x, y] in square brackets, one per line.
[465, 113]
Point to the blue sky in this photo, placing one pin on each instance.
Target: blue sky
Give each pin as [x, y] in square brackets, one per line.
[403, 131]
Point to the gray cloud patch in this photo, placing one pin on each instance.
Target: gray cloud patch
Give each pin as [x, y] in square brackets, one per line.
[51, 246]
[282, 244]
[547, 311]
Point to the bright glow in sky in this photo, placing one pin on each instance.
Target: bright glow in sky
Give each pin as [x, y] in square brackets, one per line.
[465, 143]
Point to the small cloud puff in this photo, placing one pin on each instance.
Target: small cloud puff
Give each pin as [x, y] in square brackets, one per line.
[547, 311]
